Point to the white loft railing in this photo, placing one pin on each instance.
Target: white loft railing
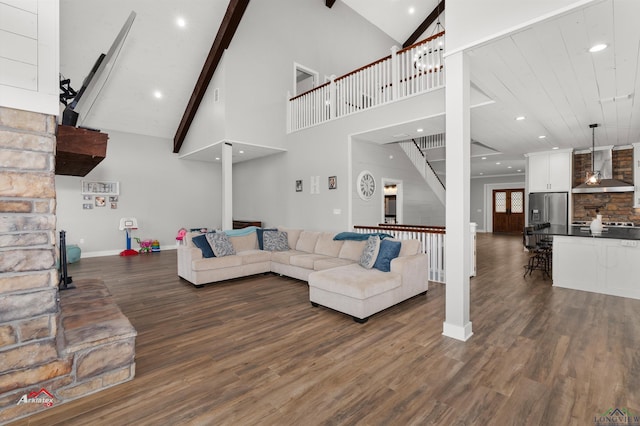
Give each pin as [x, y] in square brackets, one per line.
[416, 69]
[432, 241]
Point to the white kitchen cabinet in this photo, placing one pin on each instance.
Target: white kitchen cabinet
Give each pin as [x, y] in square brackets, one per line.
[550, 171]
[600, 265]
[636, 175]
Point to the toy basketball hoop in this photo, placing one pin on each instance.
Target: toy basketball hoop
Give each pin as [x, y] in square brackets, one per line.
[128, 224]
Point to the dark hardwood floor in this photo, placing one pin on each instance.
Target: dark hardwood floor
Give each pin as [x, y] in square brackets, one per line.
[254, 352]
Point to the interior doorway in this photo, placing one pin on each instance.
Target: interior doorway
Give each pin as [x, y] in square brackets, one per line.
[392, 201]
[508, 210]
[305, 79]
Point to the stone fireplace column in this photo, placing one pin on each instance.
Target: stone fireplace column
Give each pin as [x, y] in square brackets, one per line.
[29, 305]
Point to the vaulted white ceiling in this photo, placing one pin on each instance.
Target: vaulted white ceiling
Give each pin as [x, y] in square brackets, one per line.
[543, 72]
[546, 74]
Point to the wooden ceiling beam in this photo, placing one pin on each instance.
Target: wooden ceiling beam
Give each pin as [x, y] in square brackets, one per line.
[329, 3]
[425, 24]
[227, 29]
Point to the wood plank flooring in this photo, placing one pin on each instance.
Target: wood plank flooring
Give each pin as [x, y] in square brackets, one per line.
[254, 352]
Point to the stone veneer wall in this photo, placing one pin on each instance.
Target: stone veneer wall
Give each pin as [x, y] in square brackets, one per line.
[68, 352]
[28, 278]
[614, 207]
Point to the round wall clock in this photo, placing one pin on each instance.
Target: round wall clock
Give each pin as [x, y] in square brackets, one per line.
[366, 185]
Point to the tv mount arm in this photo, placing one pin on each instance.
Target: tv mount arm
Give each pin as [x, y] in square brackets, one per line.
[66, 91]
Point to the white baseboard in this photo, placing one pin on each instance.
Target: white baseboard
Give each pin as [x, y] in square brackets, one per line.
[457, 332]
[114, 252]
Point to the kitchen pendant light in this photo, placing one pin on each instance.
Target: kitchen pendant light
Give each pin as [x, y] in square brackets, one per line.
[593, 176]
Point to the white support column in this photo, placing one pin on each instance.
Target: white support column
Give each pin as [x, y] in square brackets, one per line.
[227, 187]
[458, 248]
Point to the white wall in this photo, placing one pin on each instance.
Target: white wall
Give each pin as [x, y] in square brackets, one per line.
[420, 204]
[481, 201]
[258, 65]
[470, 22]
[29, 55]
[323, 151]
[161, 191]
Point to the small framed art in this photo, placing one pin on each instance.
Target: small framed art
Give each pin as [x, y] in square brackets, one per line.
[333, 182]
[299, 186]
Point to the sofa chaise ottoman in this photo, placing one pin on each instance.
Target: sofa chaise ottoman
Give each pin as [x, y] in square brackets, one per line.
[362, 292]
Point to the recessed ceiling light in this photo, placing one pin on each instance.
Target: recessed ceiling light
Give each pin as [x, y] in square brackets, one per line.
[241, 152]
[481, 173]
[520, 118]
[218, 158]
[181, 22]
[597, 47]
[157, 94]
[498, 163]
[556, 147]
[412, 10]
[483, 158]
[419, 130]
[541, 137]
[519, 170]
[391, 157]
[509, 167]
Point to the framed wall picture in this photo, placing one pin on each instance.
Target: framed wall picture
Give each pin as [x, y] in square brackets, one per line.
[333, 182]
[87, 206]
[101, 201]
[100, 188]
[299, 186]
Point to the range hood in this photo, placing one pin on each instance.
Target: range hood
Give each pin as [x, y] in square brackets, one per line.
[602, 162]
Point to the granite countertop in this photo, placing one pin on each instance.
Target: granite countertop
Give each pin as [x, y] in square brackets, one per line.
[620, 233]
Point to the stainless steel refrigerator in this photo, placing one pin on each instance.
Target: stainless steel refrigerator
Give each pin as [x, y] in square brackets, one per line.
[549, 207]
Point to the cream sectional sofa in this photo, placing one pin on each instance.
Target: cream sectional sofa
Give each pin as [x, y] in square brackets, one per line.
[336, 279]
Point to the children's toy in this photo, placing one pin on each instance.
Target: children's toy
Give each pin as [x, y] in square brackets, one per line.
[182, 232]
[128, 224]
[145, 245]
[155, 246]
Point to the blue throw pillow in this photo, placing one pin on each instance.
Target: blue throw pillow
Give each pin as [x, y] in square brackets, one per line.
[389, 250]
[260, 232]
[201, 242]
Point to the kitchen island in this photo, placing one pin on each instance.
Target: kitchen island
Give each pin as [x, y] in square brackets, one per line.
[606, 262]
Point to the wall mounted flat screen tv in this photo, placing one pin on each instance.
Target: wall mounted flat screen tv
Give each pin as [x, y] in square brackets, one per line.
[77, 111]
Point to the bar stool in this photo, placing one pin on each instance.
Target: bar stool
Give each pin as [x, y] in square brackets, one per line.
[540, 249]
